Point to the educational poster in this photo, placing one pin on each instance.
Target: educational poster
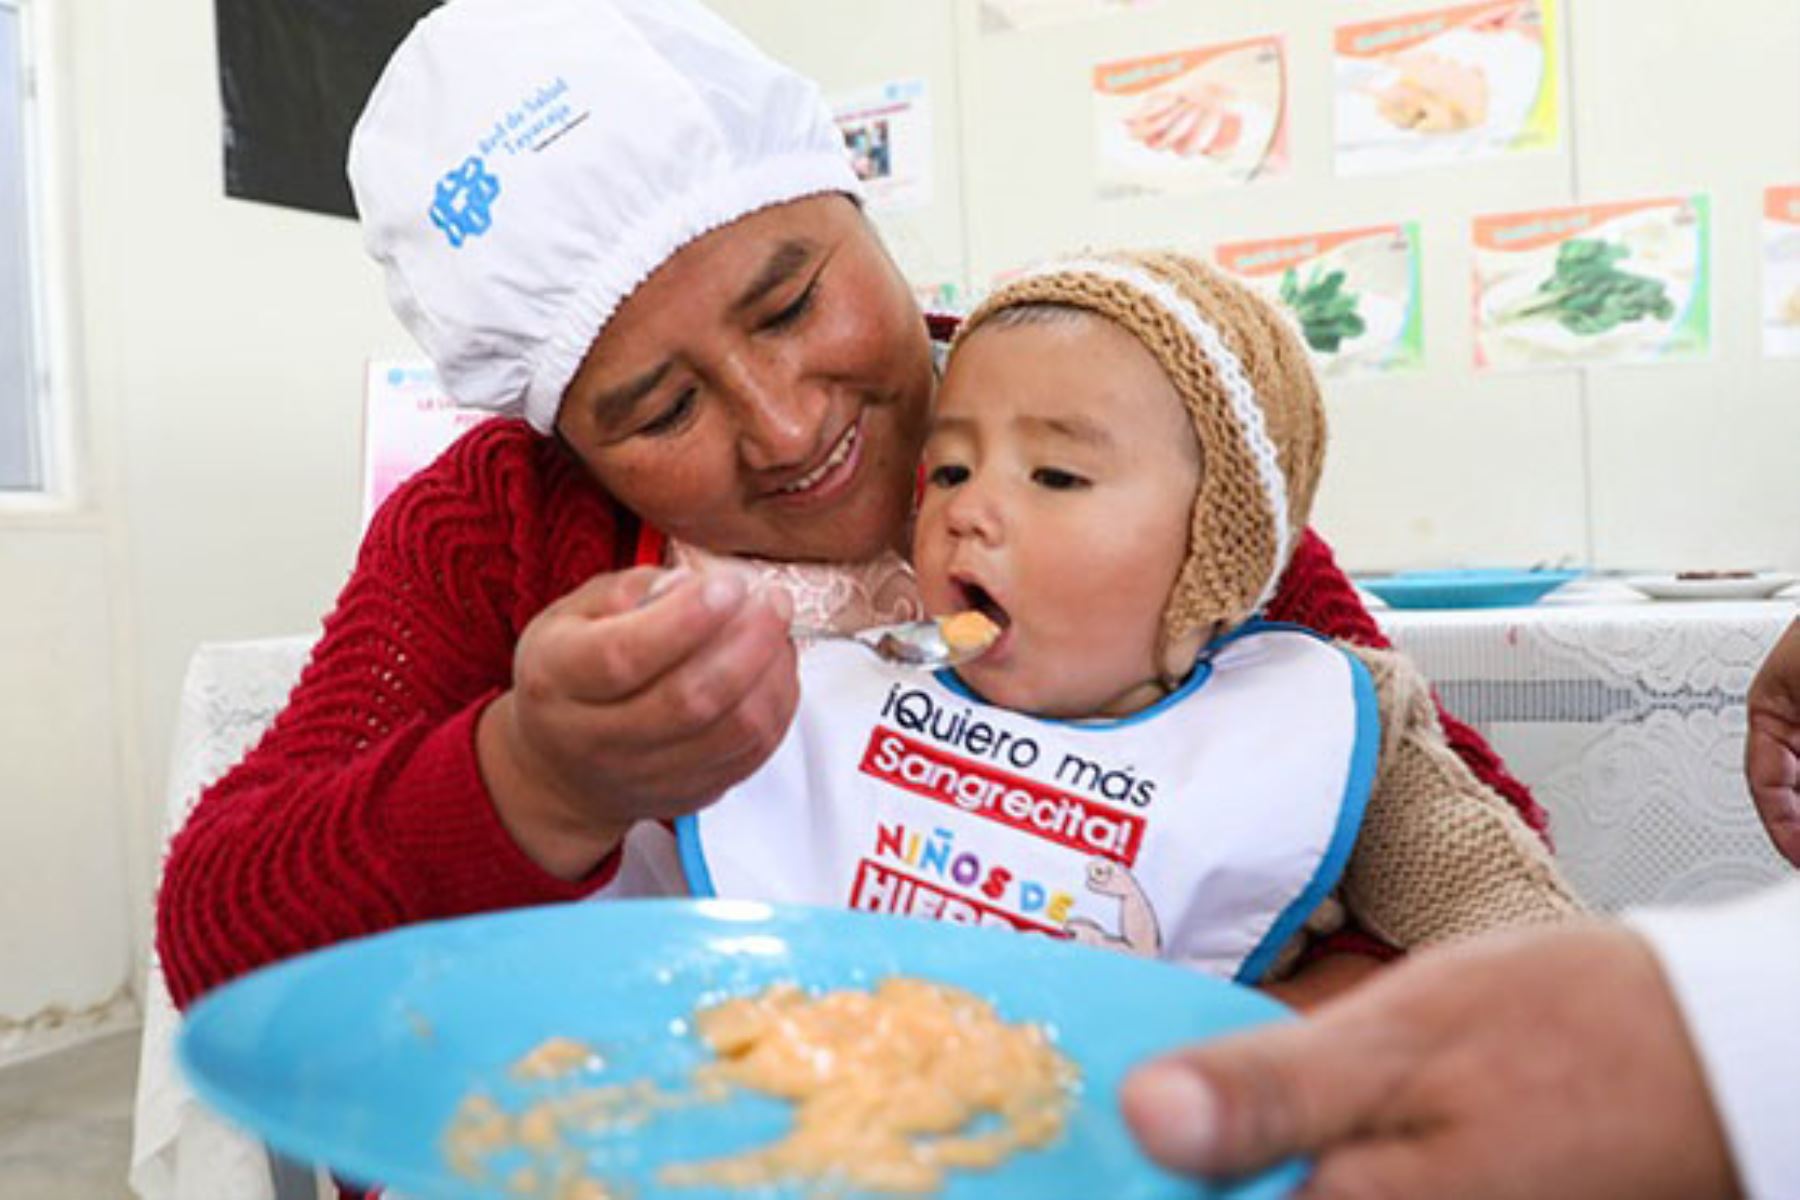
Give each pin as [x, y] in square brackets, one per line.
[1602, 283]
[941, 296]
[407, 422]
[1451, 85]
[1353, 294]
[1781, 272]
[887, 130]
[1007, 16]
[1191, 120]
[293, 78]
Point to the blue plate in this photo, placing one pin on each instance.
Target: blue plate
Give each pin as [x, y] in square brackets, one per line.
[357, 1056]
[1465, 589]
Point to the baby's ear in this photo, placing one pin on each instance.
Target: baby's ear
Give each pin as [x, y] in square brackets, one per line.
[1176, 659]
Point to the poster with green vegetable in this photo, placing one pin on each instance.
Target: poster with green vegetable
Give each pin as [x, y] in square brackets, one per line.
[1354, 293]
[1602, 283]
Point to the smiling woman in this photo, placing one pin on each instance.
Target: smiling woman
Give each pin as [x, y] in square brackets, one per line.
[764, 392]
[692, 334]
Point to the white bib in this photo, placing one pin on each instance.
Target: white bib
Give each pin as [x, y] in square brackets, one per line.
[1203, 830]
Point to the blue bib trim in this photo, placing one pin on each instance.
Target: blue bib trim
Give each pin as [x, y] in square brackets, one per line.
[693, 858]
[1364, 757]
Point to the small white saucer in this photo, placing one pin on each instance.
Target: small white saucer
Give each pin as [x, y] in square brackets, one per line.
[1757, 585]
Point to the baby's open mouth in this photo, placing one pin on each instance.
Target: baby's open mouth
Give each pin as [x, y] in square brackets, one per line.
[976, 597]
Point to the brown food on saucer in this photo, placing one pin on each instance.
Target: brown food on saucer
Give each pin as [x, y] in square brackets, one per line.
[1696, 575]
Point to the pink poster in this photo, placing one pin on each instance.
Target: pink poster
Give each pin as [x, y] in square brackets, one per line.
[407, 422]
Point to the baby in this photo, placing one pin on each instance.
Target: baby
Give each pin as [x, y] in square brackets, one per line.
[1123, 451]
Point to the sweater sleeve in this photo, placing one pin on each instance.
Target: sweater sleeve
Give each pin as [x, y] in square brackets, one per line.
[1315, 593]
[1440, 854]
[1735, 975]
[362, 808]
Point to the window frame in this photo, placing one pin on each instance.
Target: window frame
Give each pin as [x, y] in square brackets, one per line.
[50, 421]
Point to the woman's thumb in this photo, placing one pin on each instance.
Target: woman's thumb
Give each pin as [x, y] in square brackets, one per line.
[1242, 1103]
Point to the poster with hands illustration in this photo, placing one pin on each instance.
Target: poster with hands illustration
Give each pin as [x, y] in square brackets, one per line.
[1191, 120]
[1449, 85]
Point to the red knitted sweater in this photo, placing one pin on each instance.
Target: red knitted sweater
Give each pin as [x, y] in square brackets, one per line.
[362, 808]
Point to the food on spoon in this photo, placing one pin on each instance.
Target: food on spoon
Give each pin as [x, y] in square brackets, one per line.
[968, 632]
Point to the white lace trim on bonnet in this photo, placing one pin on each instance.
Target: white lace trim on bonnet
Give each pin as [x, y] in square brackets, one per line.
[1246, 411]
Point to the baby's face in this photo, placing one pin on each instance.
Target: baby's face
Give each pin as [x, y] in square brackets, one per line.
[1060, 473]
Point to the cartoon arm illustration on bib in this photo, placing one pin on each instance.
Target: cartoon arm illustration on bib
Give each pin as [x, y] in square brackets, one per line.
[1138, 931]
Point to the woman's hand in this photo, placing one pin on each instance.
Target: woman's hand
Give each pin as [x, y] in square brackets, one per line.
[639, 696]
[1772, 746]
[1323, 979]
[1549, 1062]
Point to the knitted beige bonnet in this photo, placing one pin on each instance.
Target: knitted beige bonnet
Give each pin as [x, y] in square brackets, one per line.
[1244, 375]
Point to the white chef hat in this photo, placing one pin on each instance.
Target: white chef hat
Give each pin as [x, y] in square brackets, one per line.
[523, 165]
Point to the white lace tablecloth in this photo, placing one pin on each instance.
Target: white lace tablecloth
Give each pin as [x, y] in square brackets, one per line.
[179, 1150]
[1625, 719]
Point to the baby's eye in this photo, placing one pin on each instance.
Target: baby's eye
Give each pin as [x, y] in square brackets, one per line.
[947, 475]
[1057, 479]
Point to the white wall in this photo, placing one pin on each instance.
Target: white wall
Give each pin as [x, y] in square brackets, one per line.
[239, 332]
[1622, 467]
[218, 348]
[66, 846]
[218, 355]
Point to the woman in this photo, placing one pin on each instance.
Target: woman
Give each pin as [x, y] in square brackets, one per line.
[619, 221]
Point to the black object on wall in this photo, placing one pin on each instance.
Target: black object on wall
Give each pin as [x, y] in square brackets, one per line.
[293, 75]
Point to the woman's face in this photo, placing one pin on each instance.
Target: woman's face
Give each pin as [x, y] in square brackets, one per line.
[765, 391]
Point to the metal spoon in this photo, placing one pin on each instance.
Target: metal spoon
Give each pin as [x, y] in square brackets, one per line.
[917, 644]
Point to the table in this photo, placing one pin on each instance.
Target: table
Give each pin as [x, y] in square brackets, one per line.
[180, 1150]
[1625, 718]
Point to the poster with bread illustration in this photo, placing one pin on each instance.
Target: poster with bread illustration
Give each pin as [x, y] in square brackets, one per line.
[1781, 272]
[1627, 282]
[1191, 120]
[1448, 85]
[1353, 294]
[1009, 16]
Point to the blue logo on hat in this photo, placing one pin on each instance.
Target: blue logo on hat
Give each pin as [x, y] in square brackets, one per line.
[463, 207]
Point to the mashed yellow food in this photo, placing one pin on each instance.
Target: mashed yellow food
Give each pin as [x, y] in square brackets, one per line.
[886, 1085]
[891, 1088]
